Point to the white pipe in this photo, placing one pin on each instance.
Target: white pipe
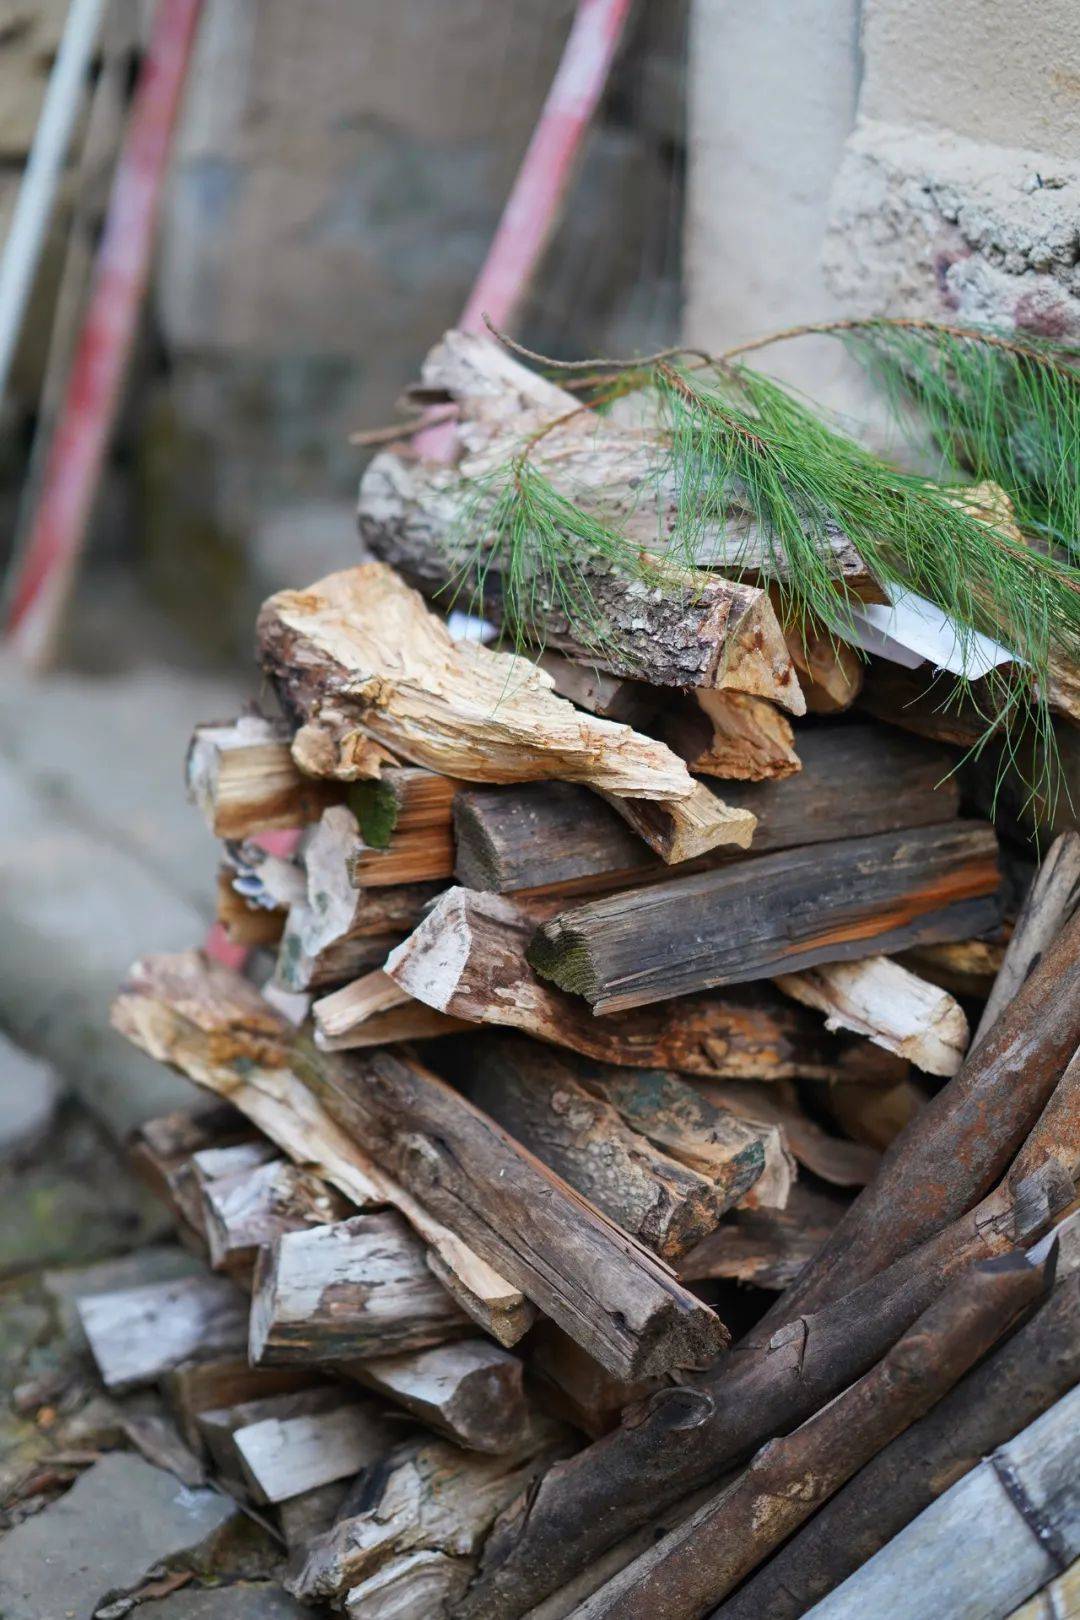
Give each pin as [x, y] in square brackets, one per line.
[41, 177]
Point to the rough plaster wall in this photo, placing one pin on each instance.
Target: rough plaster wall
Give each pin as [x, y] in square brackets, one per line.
[1002, 71]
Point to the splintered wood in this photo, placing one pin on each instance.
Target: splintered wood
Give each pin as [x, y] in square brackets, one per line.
[605, 1208]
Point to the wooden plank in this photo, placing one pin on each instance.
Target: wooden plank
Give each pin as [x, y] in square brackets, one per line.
[467, 959]
[215, 1028]
[139, 1334]
[780, 913]
[358, 656]
[890, 1005]
[517, 1214]
[348, 1290]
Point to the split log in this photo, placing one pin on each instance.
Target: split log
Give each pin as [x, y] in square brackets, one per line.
[606, 1290]
[214, 1027]
[890, 1006]
[575, 1387]
[834, 1159]
[856, 780]
[686, 829]
[962, 1141]
[755, 919]
[702, 1561]
[404, 799]
[730, 735]
[241, 775]
[161, 1151]
[746, 1159]
[218, 1426]
[1058, 1600]
[665, 1202]
[374, 1011]
[1020, 1381]
[830, 672]
[245, 1211]
[965, 968]
[769, 1382]
[358, 657]
[467, 959]
[873, 1115]
[613, 697]
[308, 960]
[766, 1247]
[196, 1387]
[1052, 899]
[244, 922]
[1025, 1501]
[139, 1334]
[697, 630]
[345, 1291]
[469, 1390]
[292, 1444]
[426, 1496]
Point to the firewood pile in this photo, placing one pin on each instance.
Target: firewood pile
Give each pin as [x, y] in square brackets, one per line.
[643, 1183]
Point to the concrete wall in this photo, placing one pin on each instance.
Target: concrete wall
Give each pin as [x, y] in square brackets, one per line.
[902, 156]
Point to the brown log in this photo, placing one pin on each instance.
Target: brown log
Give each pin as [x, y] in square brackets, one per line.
[574, 1387]
[612, 697]
[966, 968]
[467, 959]
[873, 1115]
[469, 1390]
[698, 630]
[777, 914]
[214, 1027]
[358, 657]
[961, 1142]
[1022, 1379]
[1052, 899]
[830, 672]
[244, 922]
[855, 781]
[607, 1291]
[685, 1436]
[241, 775]
[345, 1291]
[686, 829]
[766, 1247]
[702, 1561]
[546, 1104]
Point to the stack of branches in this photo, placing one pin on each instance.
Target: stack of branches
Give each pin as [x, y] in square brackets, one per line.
[609, 1109]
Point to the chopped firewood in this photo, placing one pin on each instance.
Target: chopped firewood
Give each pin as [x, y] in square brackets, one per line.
[347, 1290]
[307, 961]
[467, 959]
[701, 1562]
[404, 799]
[782, 912]
[426, 1496]
[857, 780]
[284, 1452]
[964, 967]
[830, 672]
[766, 1247]
[732, 735]
[577, 1388]
[217, 1427]
[196, 1387]
[667, 1202]
[610, 696]
[890, 1005]
[1052, 899]
[242, 776]
[245, 923]
[358, 657]
[684, 829]
[138, 1334]
[469, 1390]
[215, 1028]
[777, 1108]
[699, 630]
[873, 1114]
[247, 1210]
[367, 1013]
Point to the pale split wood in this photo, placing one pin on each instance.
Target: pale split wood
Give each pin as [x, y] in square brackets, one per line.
[359, 658]
[214, 1027]
[890, 1005]
[731, 735]
[683, 829]
[138, 1334]
[242, 776]
[469, 1390]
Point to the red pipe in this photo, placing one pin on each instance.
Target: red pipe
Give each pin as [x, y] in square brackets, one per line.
[92, 397]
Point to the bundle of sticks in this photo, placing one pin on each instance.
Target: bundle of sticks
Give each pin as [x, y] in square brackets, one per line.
[607, 1209]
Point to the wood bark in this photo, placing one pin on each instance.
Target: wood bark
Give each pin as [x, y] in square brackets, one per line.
[214, 1027]
[358, 657]
[696, 630]
[1023, 1499]
[1052, 899]
[138, 1334]
[888, 1004]
[856, 780]
[766, 1247]
[547, 1106]
[469, 1390]
[241, 775]
[426, 1496]
[606, 1290]
[1021, 1380]
[730, 735]
[701, 1562]
[345, 1291]
[684, 1436]
[779, 913]
[962, 1141]
[467, 959]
